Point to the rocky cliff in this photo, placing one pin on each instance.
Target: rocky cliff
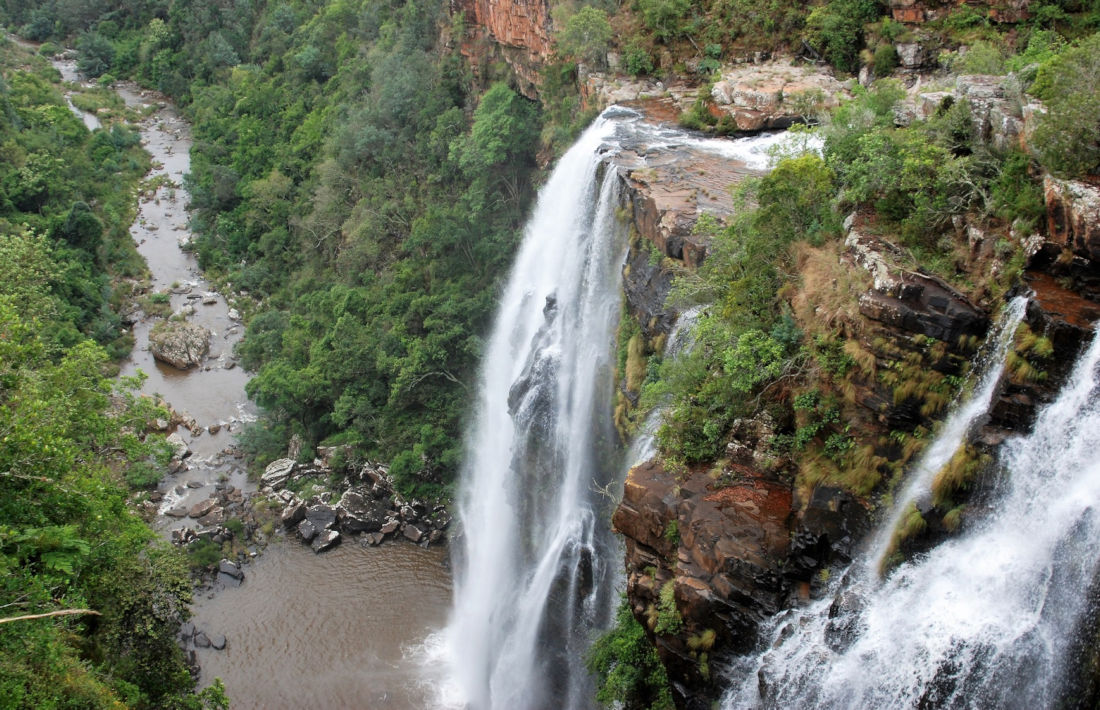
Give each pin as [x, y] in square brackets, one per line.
[734, 543]
[516, 31]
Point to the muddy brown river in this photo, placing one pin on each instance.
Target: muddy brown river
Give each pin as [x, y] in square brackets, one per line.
[344, 629]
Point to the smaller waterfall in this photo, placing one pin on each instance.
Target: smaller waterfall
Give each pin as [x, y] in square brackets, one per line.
[953, 430]
[984, 620]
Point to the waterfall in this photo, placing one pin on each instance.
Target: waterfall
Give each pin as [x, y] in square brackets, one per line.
[985, 620]
[535, 570]
[952, 432]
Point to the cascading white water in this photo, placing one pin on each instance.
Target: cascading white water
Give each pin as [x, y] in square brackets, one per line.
[983, 621]
[531, 576]
[952, 431]
[536, 564]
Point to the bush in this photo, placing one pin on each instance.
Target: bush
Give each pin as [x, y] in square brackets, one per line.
[586, 36]
[636, 59]
[628, 672]
[666, 18]
[1067, 137]
[885, 60]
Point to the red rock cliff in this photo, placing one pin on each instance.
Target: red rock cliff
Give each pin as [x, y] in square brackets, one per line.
[518, 31]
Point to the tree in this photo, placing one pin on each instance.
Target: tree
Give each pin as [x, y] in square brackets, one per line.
[586, 36]
[97, 54]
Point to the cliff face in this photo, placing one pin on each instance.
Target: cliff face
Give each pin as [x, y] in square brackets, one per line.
[738, 542]
[516, 31]
[919, 11]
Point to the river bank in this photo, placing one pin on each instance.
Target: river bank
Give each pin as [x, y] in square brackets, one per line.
[379, 602]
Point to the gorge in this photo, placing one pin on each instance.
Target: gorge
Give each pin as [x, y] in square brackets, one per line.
[708, 414]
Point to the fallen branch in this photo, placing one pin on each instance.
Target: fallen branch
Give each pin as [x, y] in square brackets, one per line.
[62, 612]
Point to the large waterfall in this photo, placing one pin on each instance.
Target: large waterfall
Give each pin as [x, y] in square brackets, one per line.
[533, 573]
[987, 620]
[536, 564]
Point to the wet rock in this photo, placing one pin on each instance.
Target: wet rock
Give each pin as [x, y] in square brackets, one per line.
[200, 509]
[359, 513]
[374, 539]
[179, 512]
[216, 516]
[413, 533]
[234, 314]
[217, 642]
[307, 530]
[195, 484]
[180, 450]
[277, 473]
[180, 344]
[326, 540]
[321, 516]
[187, 630]
[390, 527]
[230, 568]
[294, 514]
[202, 640]
[209, 298]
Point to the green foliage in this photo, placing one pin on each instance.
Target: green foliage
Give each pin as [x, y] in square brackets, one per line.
[628, 672]
[1067, 136]
[885, 60]
[636, 59]
[981, 58]
[669, 620]
[665, 18]
[97, 54]
[586, 36]
[836, 30]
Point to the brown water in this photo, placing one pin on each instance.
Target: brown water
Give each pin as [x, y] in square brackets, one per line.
[344, 629]
[340, 630]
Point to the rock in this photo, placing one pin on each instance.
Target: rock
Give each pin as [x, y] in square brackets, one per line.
[216, 516]
[374, 539]
[412, 533]
[234, 314]
[217, 642]
[277, 473]
[359, 513]
[215, 428]
[390, 527]
[307, 530]
[179, 446]
[294, 514]
[202, 640]
[326, 540]
[912, 55]
[200, 509]
[321, 516]
[187, 630]
[230, 568]
[209, 298]
[1073, 215]
[179, 512]
[180, 344]
[195, 484]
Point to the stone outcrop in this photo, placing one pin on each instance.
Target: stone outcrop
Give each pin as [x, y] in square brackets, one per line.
[518, 31]
[775, 95]
[920, 11]
[750, 97]
[180, 344]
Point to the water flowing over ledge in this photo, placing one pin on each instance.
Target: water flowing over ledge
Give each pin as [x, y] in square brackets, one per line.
[985, 620]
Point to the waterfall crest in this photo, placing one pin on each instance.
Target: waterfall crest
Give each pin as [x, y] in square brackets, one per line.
[984, 620]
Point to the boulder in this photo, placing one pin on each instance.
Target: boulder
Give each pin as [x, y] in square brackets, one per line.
[179, 344]
[326, 540]
[217, 642]
[178, 512]
[215, 516]
[202, 508]
[307, 530]
[412, 533]
[277, 473]
[230, 568]
[294, 514]
[360, 513]
[180, 450]
[321, 516]
[202, 640]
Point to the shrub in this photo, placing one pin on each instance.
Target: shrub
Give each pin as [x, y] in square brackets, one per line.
[1067, 137]
[885, 60]
[586, 36]
[628, 672]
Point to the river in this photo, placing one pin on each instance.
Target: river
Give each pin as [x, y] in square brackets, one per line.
[337, 630]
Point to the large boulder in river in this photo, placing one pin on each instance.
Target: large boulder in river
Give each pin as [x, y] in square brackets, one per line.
[359, 513]
[178, 343]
